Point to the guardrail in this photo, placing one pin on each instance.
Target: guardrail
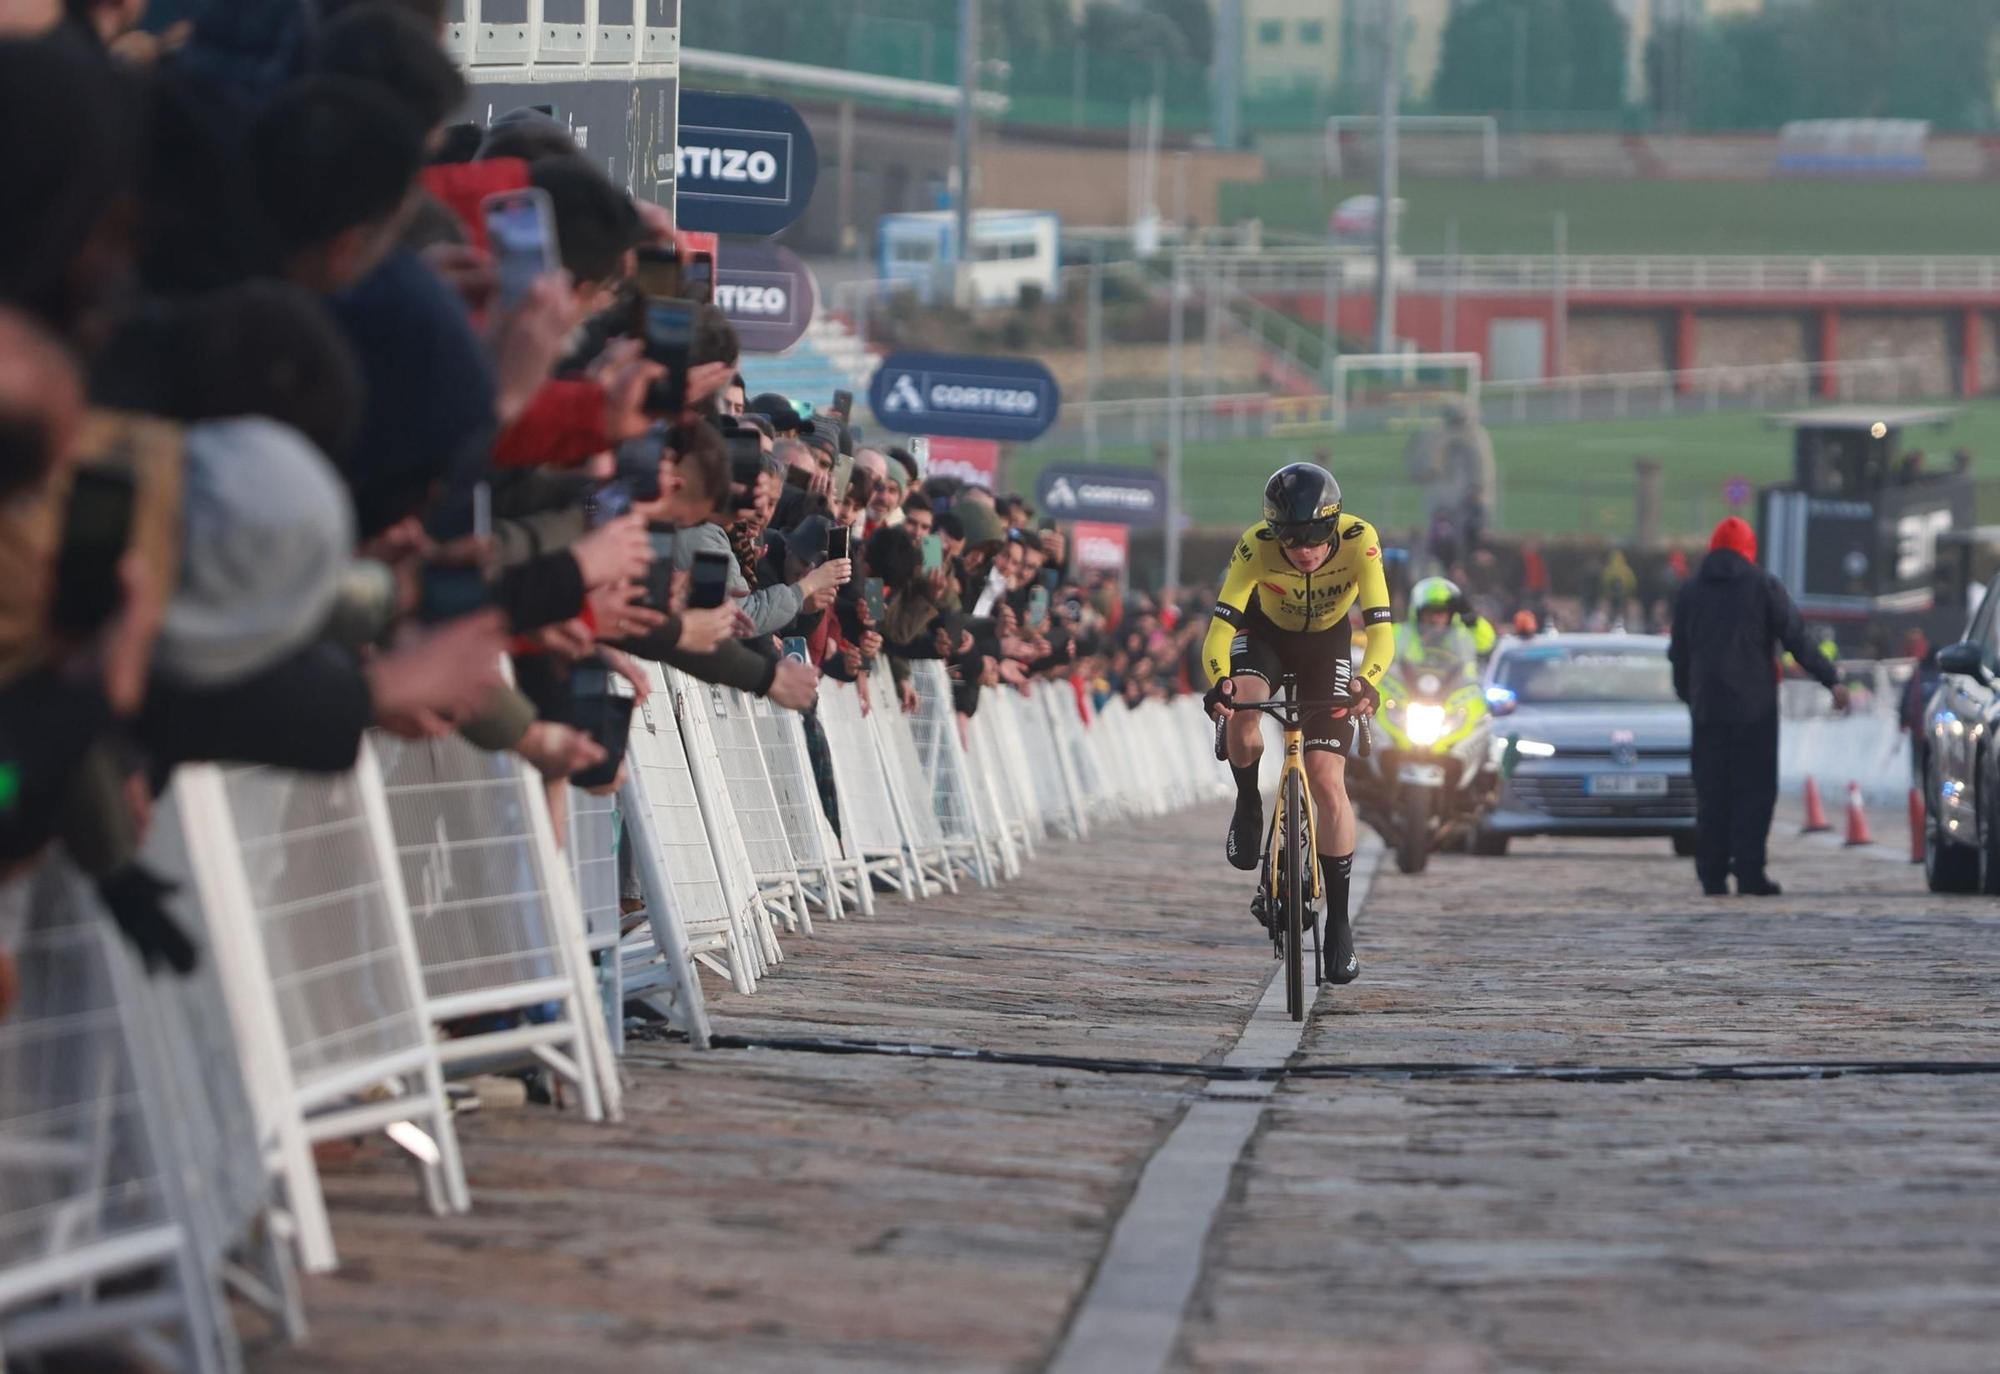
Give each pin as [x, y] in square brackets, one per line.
[1304, 269]
[1601, 397]
[365, 935]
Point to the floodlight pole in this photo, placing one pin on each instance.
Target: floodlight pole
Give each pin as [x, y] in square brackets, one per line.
[1176, 339]
[968, 87]
[1385, 208]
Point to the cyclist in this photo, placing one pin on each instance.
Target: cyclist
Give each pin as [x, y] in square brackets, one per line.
[1293, 580]
[1443, 632]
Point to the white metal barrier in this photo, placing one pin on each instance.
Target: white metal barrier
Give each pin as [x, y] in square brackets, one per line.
[164, 1128]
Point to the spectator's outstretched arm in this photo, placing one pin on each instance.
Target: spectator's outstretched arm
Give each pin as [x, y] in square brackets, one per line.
[1790, 630]
[306, 712]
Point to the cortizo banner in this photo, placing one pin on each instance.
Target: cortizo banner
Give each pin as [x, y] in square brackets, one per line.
[1011, 400]
[744, 164]
[1112, 496]
[767, 293]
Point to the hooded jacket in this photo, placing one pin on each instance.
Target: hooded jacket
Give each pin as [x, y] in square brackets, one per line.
[1729, 622]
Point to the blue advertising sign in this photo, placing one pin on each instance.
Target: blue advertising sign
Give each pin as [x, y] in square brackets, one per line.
[744, 164]
[766, 292]
[1008, 399]
[1101, 495]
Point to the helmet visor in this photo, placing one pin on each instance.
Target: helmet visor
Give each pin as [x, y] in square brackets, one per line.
[1308, 535]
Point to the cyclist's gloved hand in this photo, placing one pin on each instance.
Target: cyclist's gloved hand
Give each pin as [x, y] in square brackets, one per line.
[1218, 700]
[1364, 697]
[1466, 615]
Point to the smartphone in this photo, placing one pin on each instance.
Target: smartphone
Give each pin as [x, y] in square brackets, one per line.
[608, 502]
[659, 585]
[449, 592]
[799, 477]
[1038, 608]
[482, 510]
[837, 543]
[698, 278]
[871, 592]
[708, 581]
[933, 553]
[600, 705]
[521, 235]
[797, 649]
[639, 467]
[659, 274]
[843, 405]
[97, 528]
[669, 335]
[843, 468]
[746, 455]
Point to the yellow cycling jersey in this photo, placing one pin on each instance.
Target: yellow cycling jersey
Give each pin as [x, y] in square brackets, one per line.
[1304, 602]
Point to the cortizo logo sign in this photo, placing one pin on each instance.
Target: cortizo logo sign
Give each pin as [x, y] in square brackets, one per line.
[1063, 495]
[773, 301]
[752, 165]
[1012, 400]
[904, 395]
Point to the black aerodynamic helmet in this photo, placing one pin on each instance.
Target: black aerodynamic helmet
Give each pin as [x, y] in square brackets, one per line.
[1302, 505]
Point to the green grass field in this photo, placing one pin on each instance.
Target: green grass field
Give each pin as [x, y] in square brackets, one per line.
[1554, 479]
[1653, 216]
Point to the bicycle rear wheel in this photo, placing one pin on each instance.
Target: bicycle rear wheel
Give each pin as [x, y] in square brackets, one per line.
[1295, 897]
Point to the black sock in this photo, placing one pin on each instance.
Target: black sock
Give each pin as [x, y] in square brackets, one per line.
[1246, 781]
[1339, 874]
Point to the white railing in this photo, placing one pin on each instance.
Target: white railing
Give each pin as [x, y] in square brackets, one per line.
[1304, 269]
[365, 935]
[538, 49]
[1605, 396]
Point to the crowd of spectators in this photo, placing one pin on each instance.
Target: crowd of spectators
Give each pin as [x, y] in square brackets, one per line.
[285, 458]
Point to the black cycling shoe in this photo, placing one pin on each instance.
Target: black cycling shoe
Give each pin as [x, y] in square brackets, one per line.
[1245, 827]
[1340, 965]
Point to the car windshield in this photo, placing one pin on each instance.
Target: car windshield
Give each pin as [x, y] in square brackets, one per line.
[1547, 675]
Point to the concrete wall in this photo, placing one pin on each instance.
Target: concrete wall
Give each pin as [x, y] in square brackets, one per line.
[1605, 342]
[1926, 337]
[1087, 185]
[1749, 339]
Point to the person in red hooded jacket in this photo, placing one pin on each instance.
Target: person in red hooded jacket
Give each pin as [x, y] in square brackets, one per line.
[1729, 622]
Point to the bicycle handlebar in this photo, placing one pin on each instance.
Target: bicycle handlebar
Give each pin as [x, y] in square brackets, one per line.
[1293, 713]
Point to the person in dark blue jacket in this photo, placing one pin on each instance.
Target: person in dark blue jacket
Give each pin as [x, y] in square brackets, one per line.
[1729, 622]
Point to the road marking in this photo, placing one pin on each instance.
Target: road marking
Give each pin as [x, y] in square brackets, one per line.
[1131, 1314]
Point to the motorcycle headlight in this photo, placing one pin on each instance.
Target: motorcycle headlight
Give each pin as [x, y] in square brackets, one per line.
[1423, 723]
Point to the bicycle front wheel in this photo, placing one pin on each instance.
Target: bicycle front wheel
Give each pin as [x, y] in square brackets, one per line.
[1295, 897]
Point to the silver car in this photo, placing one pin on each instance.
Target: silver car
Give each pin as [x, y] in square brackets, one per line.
[1591, 740]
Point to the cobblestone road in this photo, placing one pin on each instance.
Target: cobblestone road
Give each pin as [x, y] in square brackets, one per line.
[775, 1211]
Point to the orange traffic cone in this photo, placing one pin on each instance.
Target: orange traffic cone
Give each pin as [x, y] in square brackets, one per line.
[1857, 819]
[1815, 811]
[1916, 826]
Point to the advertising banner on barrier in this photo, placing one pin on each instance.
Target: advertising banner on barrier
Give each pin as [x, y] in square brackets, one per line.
[973, 461]
[1098, 548]
[1116, 496]
[1011, 400]
[767, 293]
[745, 164]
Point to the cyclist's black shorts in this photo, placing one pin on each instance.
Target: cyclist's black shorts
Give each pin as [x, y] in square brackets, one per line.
[1323, 664]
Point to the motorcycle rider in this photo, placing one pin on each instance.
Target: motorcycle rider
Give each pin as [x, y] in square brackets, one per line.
[1443, 631]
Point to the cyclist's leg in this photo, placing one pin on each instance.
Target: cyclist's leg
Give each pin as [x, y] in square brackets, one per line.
[1253, 668]
[1324, 668]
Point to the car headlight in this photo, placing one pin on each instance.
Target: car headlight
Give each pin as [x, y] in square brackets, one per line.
[1423, 723]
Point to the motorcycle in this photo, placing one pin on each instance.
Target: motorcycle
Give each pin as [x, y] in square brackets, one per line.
[1431, 778]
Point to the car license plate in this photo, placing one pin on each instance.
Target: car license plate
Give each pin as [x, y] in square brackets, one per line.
[1421, 774]
[1626, 785]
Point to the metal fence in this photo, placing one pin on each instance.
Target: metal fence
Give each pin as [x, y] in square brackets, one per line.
[365, 935]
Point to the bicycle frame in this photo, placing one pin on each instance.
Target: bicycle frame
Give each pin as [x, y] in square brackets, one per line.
[1294, 763]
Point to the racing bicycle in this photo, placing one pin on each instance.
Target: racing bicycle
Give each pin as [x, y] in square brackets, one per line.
[1288, 884]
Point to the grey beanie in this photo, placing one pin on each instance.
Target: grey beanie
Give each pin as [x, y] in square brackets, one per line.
[266, 532]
